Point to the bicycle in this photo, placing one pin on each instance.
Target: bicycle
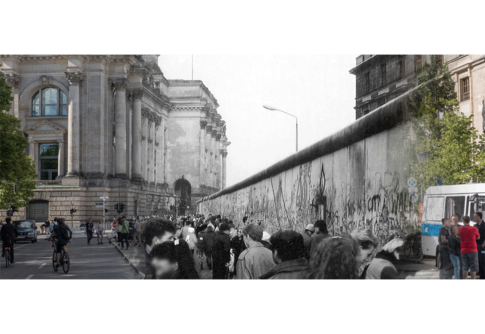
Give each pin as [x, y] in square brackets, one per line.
[64, 260]
[8, 258]
[413, 246]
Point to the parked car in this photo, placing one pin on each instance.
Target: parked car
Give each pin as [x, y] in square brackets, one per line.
[27, 230]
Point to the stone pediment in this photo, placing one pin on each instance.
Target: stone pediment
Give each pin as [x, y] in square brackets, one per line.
[45, 127]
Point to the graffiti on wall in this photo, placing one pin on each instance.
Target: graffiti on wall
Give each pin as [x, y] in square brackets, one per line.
[296, 197]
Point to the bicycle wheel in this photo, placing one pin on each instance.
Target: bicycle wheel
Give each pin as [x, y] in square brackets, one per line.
[65, 263]
[407, 249]
[54, 260]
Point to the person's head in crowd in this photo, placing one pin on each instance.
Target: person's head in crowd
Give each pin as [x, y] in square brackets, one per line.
[90, 220]
[446, 222]
[189, 223]
[455, 230]
[252, 234]
[245, 219]
[287, 245]
[454, 219]
[321, 227]
[310, 229]
[240, 232]
[335, 258]
[60, 221]
[225, 228]
[8, 220]
[209, 229]
[232, 229]
[466, 220]
[120, 220]
[477, 217]
[158, 231]
[173, 260]
[368, 244]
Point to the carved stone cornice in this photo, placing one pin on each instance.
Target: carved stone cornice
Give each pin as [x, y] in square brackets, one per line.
[46, 80]
[145, 112]
[13, 80]
[208, 128]
[214, 133]
[218, 136]
[158, 120]
[224, 153]
[74, 78]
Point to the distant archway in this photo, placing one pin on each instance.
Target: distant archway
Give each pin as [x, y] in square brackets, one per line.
[183, 191]
[38, 210]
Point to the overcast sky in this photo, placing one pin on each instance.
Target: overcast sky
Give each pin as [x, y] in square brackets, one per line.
[319, 90]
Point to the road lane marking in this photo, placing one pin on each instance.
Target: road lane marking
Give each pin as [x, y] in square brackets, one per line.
[43, 264]
[20, 246]
[30, 276]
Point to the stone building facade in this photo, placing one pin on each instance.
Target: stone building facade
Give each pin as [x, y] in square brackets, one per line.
[113, 125]
[382, 78]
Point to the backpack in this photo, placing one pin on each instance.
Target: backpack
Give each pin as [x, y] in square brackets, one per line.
[131, 230]
[66, 233]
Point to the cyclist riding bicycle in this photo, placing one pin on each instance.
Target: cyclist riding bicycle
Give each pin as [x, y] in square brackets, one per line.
[8, 234]
[59, 232]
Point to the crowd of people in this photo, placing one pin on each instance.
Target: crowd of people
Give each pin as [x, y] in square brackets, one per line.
[462, 248]
[176, 248]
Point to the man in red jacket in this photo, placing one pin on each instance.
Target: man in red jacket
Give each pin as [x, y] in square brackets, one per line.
[469, 252]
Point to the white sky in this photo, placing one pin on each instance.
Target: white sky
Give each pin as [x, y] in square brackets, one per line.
[318, 89]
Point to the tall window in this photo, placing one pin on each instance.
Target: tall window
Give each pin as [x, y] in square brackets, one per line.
[48, 161]
[400, 69]
[418, 59]
[383, 74]
[465, 89]
[366, 82]
[49, 102]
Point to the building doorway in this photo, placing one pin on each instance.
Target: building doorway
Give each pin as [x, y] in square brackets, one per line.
[183, 191]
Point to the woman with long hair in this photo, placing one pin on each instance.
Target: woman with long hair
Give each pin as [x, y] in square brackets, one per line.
[335, 258]
[173, 260]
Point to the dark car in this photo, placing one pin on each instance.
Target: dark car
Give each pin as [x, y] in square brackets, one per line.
[27, 230]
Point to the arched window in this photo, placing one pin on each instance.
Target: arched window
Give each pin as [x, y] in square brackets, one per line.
[49, 102]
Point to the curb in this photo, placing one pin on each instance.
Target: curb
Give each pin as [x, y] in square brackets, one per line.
[142, 275]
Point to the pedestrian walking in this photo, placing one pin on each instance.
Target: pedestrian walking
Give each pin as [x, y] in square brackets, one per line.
[289, 256]
[368, 244]
[156, 231]
[89, 229]
[119, 228]
[321, 233]
[172, 260]
[113, 235]
[221, 252]
[446, 266]
[125, 232]
[46, 226]
[307, 239]
[131, 234]
[455, 250]
[469, 251]
[335, 258]
[256, 260]
[137, 232]
[100, 231]
[477, 217]
[207, 245]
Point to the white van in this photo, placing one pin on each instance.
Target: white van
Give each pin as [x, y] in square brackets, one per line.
[445, 201]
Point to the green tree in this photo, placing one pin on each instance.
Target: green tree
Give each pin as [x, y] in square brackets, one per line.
[15, 165]
[455, 151]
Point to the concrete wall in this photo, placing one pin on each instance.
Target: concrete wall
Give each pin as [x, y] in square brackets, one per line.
[355, 178]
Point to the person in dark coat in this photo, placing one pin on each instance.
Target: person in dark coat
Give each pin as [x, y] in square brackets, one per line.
[8, 235]
[321, 233]
[206, 242]
[172, 260]
[237, 245]
[221, 251]
[446, 266]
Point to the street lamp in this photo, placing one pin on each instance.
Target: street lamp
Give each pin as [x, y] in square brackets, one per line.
[284, 112]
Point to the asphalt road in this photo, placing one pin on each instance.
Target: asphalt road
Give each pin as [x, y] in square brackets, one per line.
[34, 261]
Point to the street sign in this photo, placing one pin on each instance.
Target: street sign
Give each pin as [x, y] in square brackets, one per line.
[413, 197]
[98, 204]
[413, 190]
[412, 182]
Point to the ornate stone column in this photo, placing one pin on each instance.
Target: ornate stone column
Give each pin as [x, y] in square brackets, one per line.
[74, 79]
[208, 166]
[137, 141]
[151, 147]
[215, 151]
[159, 149]
[203, 123]
[120, 129]
[223, 177]
[144, 144]
[60, 162]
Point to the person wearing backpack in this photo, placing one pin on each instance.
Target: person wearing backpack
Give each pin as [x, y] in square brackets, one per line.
[63, 234]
